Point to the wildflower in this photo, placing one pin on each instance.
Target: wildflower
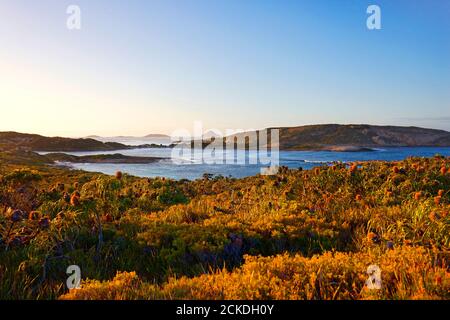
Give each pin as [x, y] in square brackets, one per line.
[66, 197]
[119, 175]
[441, 193]
[34, 215]
[390, 245]
[395, 169]
[443, 170]
[44, 223]
[373, 237]
[388, 194]
[437, 200]
[76, 193]
[407, 242]
[353, 168]
[74, 200]
[345, 225]
[418, 195]
[434, 216]
[17, 215]
[358, 197]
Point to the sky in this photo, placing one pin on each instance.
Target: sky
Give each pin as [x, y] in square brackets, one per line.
[154, 66]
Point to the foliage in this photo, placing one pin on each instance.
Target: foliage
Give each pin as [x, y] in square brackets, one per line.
[407, 273]
[299, 234]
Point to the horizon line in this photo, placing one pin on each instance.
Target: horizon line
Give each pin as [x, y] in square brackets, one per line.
[209, 130]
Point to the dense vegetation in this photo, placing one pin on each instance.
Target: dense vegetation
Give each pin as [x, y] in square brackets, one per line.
[300, 234]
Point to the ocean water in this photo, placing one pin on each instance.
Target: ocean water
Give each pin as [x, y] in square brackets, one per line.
[192, 167]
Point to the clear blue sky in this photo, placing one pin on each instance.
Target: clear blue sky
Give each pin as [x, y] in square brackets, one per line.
[139, 67]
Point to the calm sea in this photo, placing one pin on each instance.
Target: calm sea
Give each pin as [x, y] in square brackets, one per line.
[191, 168]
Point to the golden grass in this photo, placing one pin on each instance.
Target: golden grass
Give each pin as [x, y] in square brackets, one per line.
[300, 234]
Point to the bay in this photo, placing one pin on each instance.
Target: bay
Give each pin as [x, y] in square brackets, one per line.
[192, 168]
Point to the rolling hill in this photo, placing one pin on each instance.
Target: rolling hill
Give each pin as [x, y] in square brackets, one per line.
[356, 137]
[34, 142]
[311, 137]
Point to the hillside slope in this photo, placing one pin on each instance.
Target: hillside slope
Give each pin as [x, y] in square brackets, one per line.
[335, 137]
[35, 142]
[311, 137]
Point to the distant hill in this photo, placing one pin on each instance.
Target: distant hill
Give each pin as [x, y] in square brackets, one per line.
[157, 135]
[151, 139]
[312, 137]
[35, 142]
[152, 135]
[357, 137]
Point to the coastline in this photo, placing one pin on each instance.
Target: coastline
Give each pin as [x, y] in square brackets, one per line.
[116, 158]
